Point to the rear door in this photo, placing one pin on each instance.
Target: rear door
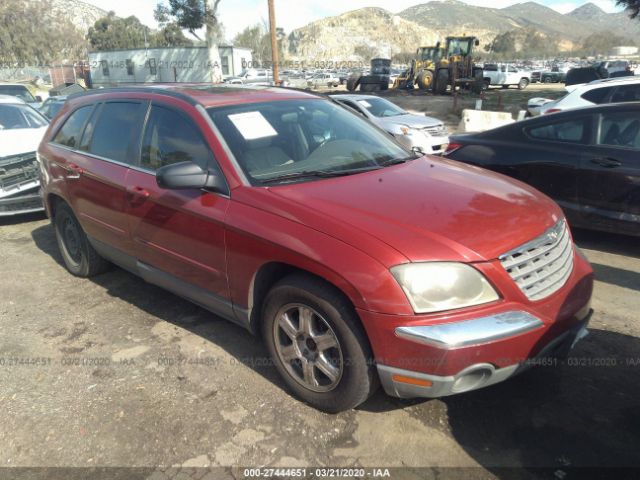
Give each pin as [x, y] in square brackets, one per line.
[609, 179]
[100, 165]
[178, 234]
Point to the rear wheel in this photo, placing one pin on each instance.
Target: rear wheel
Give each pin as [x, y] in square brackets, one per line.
[546, 80]
[353, 82]
[78, 255]
[318, 344]
[523, 83]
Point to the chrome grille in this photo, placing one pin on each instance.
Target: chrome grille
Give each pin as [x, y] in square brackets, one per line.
[541, 267]
[437, 131]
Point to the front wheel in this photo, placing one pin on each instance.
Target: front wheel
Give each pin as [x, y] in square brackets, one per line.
[317, 344]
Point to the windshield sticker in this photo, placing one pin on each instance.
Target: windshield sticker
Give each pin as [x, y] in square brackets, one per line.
[252, 125]
[364, 103]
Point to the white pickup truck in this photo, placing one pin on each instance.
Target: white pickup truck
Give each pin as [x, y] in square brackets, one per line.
[505, 75]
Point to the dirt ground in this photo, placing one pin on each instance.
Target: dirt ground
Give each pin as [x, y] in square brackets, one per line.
[442, 106]
[116, 372]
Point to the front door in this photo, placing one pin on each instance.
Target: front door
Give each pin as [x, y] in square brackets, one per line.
[178, 234]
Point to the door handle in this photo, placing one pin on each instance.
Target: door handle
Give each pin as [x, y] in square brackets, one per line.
[138, 192]
[606, 162]
[74, 171]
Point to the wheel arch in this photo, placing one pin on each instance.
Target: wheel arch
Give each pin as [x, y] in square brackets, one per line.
[272, 272]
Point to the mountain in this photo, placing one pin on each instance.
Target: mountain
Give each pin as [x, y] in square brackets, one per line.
[81, 14]
[374, 31]
[337, 37]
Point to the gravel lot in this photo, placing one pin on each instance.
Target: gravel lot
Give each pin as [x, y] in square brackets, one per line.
[130, 375]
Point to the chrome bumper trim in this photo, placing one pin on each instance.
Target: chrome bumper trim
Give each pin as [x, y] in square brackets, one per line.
[471, 332]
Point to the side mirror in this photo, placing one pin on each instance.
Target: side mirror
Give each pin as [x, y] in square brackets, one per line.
[477, 42]
[38, 98]
[188, 175]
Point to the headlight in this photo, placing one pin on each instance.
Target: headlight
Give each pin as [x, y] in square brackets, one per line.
[437, 286]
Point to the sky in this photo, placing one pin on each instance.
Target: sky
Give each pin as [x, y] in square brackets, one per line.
[291, 14]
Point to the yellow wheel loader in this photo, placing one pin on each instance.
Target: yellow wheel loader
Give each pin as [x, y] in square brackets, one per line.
[421, 72]
[458, 68]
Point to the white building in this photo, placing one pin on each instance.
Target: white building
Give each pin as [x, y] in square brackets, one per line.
[623, 51]
[163, 65]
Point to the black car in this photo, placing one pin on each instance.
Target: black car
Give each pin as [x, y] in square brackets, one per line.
[586, 159]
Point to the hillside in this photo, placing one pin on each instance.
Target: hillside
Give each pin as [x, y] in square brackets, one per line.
[82, 15]
[368, 28]
[387, 33]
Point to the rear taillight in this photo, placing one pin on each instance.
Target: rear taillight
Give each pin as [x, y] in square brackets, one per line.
[553, 110]
[452, 147]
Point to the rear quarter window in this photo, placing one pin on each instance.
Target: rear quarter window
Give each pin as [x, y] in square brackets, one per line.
[70, 132]
[597, 95]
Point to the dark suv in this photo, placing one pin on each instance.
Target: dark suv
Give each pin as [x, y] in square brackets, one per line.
[358, 261]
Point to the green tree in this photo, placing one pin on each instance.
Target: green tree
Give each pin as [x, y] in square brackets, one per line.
[193, 15]
[35, 33]
[170, 36]
[258, 39]
[632, 7]
[601, 43]
[114, 33]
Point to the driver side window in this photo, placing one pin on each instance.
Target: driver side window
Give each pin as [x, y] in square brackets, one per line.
[171, 137]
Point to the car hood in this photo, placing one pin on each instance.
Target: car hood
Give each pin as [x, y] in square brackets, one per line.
[411, 120]
[426, 209]
[20, 140]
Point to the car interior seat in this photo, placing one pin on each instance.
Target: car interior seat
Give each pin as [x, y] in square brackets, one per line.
[629, 134]
[261, 154]
[611, 136]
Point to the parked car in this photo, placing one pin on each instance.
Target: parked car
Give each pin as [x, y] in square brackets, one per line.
[294, 217]
[586, 159]
[610, 90]
[324, 79]
[22, 92]
[505, 75]
[427, 133]
[253, 76]
[21, 130]
[552, 76]
[52, 105]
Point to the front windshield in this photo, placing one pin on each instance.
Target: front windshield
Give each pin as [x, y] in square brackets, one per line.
[299, 137]
[379, 107]
[14, 116]
[17, 91]
[459, 47]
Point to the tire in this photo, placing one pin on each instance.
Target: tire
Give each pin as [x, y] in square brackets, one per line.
[442, 81]
[546, 80]
[330, 317]
[523, 83]
[425, 80]
[78, 255]
[504, 87]
[352, 83]
[370, 87]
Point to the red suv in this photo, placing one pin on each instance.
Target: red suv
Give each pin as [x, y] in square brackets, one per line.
[358, 261]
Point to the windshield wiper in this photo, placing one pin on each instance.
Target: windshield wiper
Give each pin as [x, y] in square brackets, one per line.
[317, 174]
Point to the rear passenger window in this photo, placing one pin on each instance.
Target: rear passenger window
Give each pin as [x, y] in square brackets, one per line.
[115, 129]
[171, 137]
[597, 95]
[69, 134]
[620, 129]
[569, 131]
[626, 93]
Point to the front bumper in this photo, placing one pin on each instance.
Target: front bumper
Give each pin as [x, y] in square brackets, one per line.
[429, 144]
[24, 202]
[402, 383]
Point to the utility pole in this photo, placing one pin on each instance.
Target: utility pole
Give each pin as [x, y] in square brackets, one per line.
[274, 42]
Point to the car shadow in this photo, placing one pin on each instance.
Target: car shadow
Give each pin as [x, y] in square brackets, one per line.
[617, 276]
[237, 341]
[607, 242]
[583, 412]
[22, 218]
